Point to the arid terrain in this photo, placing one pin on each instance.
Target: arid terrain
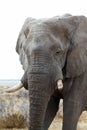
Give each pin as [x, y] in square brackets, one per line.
[57, 123]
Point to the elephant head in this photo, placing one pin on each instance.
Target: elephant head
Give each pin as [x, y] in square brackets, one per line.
[50, 51]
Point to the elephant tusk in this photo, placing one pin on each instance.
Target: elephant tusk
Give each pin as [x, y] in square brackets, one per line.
[15, 88]
[59, 84]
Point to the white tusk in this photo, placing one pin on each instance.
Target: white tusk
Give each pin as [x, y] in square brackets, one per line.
[15, 88]
[59, 84]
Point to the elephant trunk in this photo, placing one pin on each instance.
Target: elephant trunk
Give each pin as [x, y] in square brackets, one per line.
[38, 103]
[39, 94]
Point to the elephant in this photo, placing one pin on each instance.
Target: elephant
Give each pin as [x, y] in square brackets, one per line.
[53, 53]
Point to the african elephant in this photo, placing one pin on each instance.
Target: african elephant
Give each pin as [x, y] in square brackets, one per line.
[53, 53]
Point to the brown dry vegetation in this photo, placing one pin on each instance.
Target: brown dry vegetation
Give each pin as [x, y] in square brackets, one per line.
[57, 123]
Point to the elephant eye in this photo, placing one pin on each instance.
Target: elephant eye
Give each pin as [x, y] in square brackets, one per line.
[58, 51]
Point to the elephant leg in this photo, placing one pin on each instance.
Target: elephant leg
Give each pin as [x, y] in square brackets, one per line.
[72, 111]
[51, 111]
[74, 102]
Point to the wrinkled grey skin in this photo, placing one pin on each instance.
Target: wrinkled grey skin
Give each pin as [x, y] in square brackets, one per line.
[49, 50]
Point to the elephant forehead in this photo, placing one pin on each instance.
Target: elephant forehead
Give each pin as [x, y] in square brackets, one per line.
[39, 28]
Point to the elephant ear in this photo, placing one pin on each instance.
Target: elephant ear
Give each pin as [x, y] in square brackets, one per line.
[23, 36]
[76, 63]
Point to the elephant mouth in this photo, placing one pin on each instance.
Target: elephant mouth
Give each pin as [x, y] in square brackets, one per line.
[20, 85]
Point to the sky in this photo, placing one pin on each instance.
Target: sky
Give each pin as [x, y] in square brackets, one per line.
[12, 16]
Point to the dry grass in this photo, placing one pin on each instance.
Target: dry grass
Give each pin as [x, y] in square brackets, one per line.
[57, 123]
